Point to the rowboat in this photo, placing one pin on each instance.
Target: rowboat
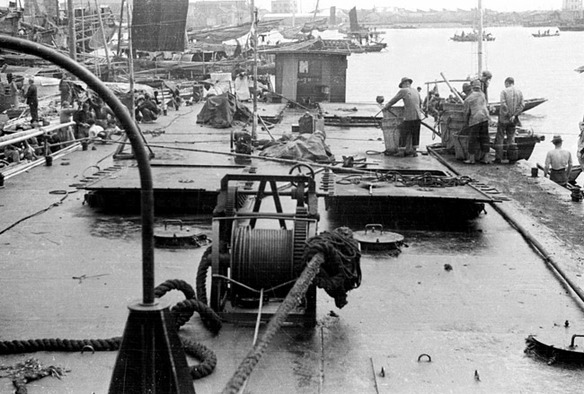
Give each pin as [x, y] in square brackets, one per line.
[529, 104]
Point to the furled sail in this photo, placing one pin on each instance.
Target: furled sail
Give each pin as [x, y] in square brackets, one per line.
[159, 25]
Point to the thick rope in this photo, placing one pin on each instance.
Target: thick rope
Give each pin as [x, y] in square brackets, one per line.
[341, 271]
[207, 358]
[201, 280]
[292, 300]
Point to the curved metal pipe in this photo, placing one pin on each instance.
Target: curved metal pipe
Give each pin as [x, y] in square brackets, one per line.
[140, 152]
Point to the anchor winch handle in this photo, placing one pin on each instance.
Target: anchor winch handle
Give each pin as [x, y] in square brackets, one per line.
[574, 337]
[372, 227]
[173, 221]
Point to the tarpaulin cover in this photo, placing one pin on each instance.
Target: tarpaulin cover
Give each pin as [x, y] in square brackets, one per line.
[306, 146]
[220, 111]
[159, 25]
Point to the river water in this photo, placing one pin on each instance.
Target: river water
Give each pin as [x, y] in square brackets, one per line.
[542, 67]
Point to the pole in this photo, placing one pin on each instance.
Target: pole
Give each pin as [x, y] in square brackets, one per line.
[254, 133]
[104, 40]
[480, 38]
[452, 89]
[131, 70]
[120, 28]
[72, 33]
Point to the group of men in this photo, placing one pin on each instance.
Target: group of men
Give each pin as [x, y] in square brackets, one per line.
[476, 110]
[476, 115]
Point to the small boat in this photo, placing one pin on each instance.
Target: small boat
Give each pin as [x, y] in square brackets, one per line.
[546, 34]
[454, 138]
[574, 174]
[472, 37]
[529, 104]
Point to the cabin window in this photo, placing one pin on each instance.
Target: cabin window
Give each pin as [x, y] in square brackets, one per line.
[303, 67]
[310, 68]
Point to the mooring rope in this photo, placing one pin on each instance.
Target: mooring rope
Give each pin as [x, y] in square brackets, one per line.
[292, 300]
[333, 255]
[55, 204]
[208, 359]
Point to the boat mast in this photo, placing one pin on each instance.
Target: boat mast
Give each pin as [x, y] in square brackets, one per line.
[480, 37]
[254, 16]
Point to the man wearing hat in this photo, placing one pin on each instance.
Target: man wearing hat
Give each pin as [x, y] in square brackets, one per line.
[476, 116]
[410, 130]
[558, 162]
[485, 79]
[511, 106]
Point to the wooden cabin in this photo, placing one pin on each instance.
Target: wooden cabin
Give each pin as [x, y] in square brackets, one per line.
[309, 72]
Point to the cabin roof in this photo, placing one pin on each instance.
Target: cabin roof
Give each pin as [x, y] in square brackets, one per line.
[309, 46]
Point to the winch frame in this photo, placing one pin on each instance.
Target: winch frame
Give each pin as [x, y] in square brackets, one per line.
[232, 213]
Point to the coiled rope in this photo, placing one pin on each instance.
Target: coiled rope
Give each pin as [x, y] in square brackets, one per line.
[425, 180]
[208, 359]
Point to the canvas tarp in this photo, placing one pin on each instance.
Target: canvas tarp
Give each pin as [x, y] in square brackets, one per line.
[220, 111]
[309, 147]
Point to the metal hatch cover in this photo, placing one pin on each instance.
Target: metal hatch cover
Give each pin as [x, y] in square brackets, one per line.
[375, 237]
[172, 234]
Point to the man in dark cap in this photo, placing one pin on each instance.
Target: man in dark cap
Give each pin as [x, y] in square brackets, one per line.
[558, 162]
[476, 115]
[410, 135]
[485, 79]
[511, 106]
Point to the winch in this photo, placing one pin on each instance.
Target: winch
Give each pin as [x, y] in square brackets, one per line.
[259, 255]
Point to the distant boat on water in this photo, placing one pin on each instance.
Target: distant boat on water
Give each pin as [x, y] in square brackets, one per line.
[573, 26]
[471, 37]
[546, 33]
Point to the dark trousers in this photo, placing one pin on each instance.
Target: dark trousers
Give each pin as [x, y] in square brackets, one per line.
[410, 135]
[478, 138]
[505, 137]
[34, 112]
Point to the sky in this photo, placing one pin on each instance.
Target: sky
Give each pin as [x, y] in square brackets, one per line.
[498, 5]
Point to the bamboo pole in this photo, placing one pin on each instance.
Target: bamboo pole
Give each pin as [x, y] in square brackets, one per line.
[120, 28]
[104, 39]
[131, 63]
[452, 89]
[254, 14]
[72, 33]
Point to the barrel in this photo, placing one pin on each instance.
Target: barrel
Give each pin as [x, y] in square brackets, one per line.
[451, 123]
[391, 125]
[513, 153]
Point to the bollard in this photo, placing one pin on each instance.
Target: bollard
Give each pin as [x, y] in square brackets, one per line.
[1, 180]
[534, 171]
[84, 145]
[48, 161]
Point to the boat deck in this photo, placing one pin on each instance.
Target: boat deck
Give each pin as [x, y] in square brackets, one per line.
[70, 271]
[188, 165]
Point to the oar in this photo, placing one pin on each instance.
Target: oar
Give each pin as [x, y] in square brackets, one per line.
[433, 129]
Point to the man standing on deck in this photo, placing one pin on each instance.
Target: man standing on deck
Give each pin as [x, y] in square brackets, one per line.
[32, 100]
[560, 161]
[410, 137]
[485, 79]
[476, 116]
[511, 106]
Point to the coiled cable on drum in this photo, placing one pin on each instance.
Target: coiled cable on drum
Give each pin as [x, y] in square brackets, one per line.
[262, 258]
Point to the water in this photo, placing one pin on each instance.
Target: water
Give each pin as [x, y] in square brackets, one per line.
[542, 67]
